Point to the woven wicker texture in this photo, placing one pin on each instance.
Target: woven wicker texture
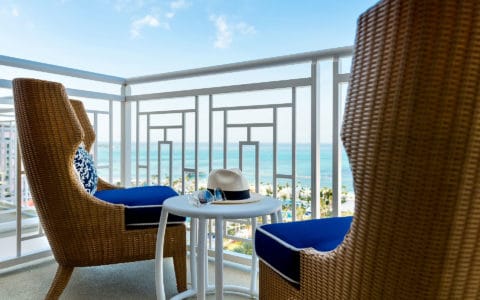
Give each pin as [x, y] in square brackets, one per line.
[81, 230]
[88, 137]
[412, 133]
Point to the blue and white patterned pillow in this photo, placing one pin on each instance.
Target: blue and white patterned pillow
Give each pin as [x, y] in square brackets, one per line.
[86, 170]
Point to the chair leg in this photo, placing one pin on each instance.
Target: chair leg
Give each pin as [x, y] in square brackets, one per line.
[180, 265]
[59, 282]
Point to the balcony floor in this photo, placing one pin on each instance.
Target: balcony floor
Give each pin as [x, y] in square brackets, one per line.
[121, 281]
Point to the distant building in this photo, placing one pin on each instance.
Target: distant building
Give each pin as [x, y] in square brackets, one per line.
[8, 147]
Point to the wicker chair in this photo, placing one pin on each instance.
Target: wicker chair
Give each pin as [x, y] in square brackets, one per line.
[81, 229]
[412, 133]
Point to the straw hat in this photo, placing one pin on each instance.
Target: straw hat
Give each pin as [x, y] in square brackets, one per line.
[233, 184]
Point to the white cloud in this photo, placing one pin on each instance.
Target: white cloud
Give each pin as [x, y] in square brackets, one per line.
[147, 21]
[244, 28]
[10, 11]
[225, 31]
[155, 16]
[175, 6]
[179, 4]
[128, 5]
[120, 5]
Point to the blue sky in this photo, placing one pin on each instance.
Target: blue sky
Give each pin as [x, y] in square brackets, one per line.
[138, 37]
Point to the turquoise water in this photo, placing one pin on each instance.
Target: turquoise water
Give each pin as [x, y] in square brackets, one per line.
[284, 164]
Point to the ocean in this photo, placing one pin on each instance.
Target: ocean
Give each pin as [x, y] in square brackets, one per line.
[284, 164]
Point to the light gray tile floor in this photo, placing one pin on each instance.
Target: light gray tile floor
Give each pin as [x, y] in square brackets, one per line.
[119, 282]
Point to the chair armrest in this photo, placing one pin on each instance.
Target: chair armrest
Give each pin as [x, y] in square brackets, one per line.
[323, 272]
[103, 185]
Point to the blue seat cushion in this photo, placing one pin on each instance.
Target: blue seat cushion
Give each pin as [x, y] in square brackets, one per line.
[143, 205]
[279, 245]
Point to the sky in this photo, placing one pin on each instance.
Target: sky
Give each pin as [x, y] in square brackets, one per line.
[138, 37]
[128, 38]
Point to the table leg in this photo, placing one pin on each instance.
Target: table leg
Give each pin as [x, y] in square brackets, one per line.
[206, 266]
[264, 220]
[202, 253]
[274, 217]
[253, 274]
[159, 285]
[280, 219]
[193, 252]
[219, 258]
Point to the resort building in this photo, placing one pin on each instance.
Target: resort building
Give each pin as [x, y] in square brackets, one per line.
[7, 161]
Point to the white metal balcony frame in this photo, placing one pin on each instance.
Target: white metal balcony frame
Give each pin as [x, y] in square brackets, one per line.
[313, 81]
[126, 99]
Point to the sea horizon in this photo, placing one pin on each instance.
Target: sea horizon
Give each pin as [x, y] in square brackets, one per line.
[284, 164]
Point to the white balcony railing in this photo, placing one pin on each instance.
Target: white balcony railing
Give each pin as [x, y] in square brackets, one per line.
[278, 119]
[21, 236]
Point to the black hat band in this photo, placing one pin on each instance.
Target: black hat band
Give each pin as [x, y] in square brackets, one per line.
[234, 195]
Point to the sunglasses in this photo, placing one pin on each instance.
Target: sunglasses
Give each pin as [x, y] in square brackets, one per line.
[207, 197]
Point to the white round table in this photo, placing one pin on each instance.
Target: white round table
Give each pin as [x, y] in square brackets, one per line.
[181, 206]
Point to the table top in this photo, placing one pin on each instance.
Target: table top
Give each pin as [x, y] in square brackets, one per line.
[181, 205]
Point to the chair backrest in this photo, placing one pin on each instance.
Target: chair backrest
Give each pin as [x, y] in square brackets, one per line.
[412, 133]
[88, 131]
[49, 133]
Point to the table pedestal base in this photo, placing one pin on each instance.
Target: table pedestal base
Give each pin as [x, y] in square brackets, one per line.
[198, 244]
[238, 290]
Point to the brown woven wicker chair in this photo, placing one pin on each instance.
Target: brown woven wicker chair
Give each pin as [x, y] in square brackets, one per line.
[412, 133]
[81, 229]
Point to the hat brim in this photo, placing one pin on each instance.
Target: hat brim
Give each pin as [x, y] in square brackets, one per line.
[254, 197]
